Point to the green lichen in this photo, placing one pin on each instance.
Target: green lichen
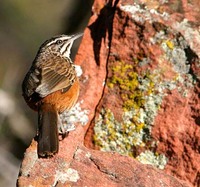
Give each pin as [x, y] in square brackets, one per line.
[112, 135]
[155, 159]
[175, 53]
[141, 96]
[140, 105]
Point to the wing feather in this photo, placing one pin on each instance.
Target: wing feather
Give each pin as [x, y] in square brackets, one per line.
[53, 76]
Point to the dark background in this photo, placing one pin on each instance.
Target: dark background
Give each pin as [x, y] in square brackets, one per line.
[24, 26]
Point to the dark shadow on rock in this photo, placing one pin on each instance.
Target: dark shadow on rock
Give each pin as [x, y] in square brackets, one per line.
[102, 25]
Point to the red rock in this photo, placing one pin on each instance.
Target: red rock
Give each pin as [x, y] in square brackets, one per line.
[154, 42]
[90, 168]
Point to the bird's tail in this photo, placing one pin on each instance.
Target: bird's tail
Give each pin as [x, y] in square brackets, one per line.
[48, 142]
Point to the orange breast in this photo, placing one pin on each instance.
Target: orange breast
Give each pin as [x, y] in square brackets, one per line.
[63, 100]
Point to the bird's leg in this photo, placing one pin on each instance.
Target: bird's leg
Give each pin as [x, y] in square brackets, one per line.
[61, 128]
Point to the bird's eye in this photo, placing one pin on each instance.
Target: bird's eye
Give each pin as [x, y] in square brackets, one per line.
[58, 41]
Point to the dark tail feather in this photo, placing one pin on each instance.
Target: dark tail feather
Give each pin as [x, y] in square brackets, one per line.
[48, 142]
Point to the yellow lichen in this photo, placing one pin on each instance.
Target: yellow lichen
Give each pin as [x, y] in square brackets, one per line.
[126, 78]
[134, 90]
[170, 44]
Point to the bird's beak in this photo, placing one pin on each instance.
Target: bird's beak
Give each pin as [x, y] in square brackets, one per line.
[75, 36]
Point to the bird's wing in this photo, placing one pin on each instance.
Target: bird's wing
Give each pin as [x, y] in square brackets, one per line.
[58, 73]
[55, 74]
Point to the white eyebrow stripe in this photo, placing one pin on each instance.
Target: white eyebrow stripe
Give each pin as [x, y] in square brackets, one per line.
[60, 38]
[51, 42]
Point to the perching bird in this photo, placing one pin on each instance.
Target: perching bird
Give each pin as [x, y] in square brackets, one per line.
[50, 87]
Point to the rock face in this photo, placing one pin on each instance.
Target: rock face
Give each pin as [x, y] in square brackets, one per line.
[140, 88]
[92, 168]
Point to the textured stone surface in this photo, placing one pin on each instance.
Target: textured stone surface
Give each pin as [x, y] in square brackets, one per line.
[160, 43]
[140, 86]
[90, 168]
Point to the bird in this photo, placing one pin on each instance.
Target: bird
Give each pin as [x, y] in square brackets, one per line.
[51, 87]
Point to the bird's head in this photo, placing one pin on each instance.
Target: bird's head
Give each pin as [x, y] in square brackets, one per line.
[60, 45]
